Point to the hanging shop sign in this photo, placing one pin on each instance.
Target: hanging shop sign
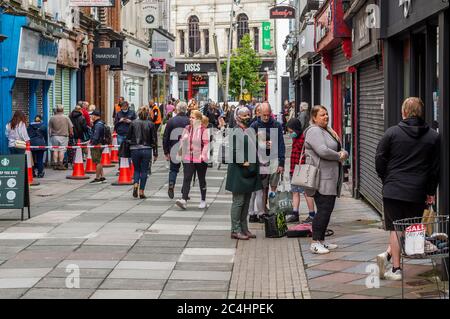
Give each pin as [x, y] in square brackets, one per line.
[137, 55]
[198, 79]
[282, 12]
[266, 36]
[157, 65]
[150, 14]
[106, 56]
[91, 3]
[163, 47]
[37, 56]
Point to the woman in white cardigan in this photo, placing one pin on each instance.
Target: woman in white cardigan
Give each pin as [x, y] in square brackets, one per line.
[323, 149]
[16, 130]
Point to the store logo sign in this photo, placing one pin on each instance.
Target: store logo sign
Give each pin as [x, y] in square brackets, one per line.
[5, 162]
[192, 67]
[407, 4]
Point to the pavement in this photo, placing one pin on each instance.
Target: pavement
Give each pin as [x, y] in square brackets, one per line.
[96, 241]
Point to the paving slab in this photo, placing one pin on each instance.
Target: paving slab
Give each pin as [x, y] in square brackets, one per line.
[126, 294]
[139, 274]
[55, 282]
[147, 265]
[12, 293]
[89, 264]
[133, 284]
[84, 273]
[200, 275]
[197, 285]
[46, 293]
[196, 266]
[166, 294]
[8, 283]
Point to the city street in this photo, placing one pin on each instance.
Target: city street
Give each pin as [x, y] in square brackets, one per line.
[128, 248]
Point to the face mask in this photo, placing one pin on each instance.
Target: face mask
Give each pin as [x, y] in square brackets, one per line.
[294, 135]
[125, 111]
[246, 122]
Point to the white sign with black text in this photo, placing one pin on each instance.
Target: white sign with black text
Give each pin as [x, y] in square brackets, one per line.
[150, 13]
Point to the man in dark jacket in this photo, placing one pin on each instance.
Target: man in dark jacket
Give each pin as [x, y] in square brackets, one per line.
[98, 138]
[407, 161]
[122, 122]
[37, 132]
[265, 124]
[80, 128]
[172, 134]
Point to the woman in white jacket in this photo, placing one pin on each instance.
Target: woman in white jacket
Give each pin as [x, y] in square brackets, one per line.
[16, 130]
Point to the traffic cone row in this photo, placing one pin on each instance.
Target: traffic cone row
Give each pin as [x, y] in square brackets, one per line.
[30, 166]
[115, 149]
[78, 165]
[106, 158]
[125, 175]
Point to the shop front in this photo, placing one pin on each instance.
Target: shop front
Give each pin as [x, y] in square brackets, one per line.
[416, 38]
[197, 80]
[135, 75]
[163, 82]
[333, 42]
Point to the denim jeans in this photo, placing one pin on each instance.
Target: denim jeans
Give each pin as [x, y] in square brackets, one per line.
[38, 159]
[325, 206]
[141, 161]
[173, 173]
[120, 139]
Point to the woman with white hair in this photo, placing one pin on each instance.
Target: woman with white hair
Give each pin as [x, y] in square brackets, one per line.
[243, 174]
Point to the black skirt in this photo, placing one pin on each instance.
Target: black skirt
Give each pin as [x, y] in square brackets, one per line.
[397, 209]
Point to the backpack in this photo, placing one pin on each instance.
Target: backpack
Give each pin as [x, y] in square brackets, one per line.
[107, 136]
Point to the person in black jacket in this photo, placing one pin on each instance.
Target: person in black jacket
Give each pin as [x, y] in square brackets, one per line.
[143, 140]
[37, 132]
[97, 139]
[407, 161]
[123, 121]
[172, 134]
[80, 128]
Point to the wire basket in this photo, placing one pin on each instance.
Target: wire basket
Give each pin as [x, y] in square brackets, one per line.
[423, 238]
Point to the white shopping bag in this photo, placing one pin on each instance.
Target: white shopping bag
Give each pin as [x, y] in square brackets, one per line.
[415, 239]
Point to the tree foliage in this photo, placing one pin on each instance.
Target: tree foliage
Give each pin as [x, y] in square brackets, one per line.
[244, 64]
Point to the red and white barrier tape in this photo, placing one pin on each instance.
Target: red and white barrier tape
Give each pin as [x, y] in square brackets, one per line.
[74, 147]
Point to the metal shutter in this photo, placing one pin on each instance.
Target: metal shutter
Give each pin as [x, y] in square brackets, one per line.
[51, 105]
[339, 63]
[371, 130]
[21, 96]
[58, 87]
[66, 90]
[40, 99]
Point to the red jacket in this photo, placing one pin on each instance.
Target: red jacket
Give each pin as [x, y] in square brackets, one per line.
[297, 145]
[86, 116]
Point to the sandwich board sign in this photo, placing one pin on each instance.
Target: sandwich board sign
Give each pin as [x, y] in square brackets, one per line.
[14, 188]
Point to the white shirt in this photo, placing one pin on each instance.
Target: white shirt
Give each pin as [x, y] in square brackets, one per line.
[18, 134]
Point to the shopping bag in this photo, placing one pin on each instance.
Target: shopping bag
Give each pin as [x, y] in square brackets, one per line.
[428, 219]
[282, 201]
[275, 225]
[415, 239]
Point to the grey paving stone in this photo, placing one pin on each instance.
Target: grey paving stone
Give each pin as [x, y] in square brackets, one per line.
[46, 293]
[166, 294]
[161, 237]
[43, 248]
[145, 265]
[197, 285]
[12, 293]
[85, 283]
[212, 244]
[156, 250]
[6, 283]
[139, 274]
[90, 264]
[311, 273]
[23, 273]
[154, 243]
[84, 273]
[133, 284]
[152, 257]
[126, 294]
[196, 266]
[32, 263]
[200, 275]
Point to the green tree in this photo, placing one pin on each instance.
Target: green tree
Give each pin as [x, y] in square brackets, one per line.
[244, 64]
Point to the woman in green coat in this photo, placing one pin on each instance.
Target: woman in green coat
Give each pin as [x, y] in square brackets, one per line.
[243, 174]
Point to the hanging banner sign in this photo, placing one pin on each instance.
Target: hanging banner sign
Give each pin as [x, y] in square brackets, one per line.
[150, 14]
[91, 3]
[282, 12]
[266, 36]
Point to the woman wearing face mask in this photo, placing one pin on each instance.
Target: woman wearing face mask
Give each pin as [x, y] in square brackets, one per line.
[294, 128]
[243, 174]
[323, 149]
[194, 151]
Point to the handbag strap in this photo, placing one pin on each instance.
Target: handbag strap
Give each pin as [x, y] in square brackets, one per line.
[303, 153]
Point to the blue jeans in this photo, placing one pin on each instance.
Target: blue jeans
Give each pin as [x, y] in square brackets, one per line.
[173, 173]
[141, 161]
[120, 139]
[15, 151]
[38, 158]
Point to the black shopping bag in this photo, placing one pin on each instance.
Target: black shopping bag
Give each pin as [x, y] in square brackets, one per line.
[275, 225]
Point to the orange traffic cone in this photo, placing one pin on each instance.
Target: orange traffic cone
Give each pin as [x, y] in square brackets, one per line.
[106, 158]
[125, 177]
[91, 167]
[115, 149]
[78, 166]
[30, 166]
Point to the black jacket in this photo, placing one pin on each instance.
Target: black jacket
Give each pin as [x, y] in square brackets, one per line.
[122, 127]
[407, 161]
[80, 128]
[281, 153]
[98, 133]
[178, 122]
[143, 133]
[37, 133]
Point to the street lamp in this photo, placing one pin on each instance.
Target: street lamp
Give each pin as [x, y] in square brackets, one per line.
[230, 39]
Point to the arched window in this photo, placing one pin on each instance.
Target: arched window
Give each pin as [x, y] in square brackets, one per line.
[194, 35]
[242, 26]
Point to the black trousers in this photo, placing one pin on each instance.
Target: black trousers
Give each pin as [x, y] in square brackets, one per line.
[325, 205]
[189, 170]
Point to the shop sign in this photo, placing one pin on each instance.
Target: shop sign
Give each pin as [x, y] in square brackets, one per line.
[91, 3]
[150, 14]
[37, 56]
[198, 79]
[282, 12]
[195, 67]
[137, 55]
[363, 31]
[163, 47]
[266, 36]
[106, 56]
[13, 185]
[306, 41]
[157, 65]
[323, 25]
[68, 54]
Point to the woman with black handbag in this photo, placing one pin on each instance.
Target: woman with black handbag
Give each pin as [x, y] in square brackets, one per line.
[324, 151]
[143, 141]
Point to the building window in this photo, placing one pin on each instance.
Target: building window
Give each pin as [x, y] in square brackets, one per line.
[242, 27]
[182, 48]
[206, 35]
[194, 35]
[256, 39]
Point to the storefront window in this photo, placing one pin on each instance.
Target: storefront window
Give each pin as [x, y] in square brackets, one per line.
[133, 90]
[406, 67]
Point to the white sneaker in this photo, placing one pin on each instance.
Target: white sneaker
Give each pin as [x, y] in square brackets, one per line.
[317, 248]
[329, 246]
[390, 275]
[182, 204]
[383, 263]
[202, 204]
